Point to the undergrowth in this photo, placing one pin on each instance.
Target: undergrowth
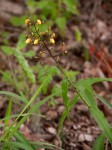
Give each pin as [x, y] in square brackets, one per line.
[12, 138]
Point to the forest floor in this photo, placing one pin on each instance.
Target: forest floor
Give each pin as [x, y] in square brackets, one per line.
[79, 130]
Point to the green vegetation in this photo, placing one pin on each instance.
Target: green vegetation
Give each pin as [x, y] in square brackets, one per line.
[28, 75]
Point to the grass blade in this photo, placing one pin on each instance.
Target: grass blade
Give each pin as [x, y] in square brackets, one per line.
[99, 143]
[104, 101]
[102, 123]
[8, 112]
[15, 96]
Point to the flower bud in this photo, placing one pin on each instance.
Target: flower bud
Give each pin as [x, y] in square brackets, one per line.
[52, 40]
[27, 21]
[39, 22]
[28, 41]
[53, 35]
[36, 41]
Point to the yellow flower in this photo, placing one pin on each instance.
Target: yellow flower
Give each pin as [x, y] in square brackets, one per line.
[39, 22]
[27, 21]
[35, 41]
[53, 35]
[52, 40]
[28, 41]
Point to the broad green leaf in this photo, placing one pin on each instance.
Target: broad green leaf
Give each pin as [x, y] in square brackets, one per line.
[61, 23]
[99, 143]
[102, 122]
[7, 50]
[18, 21]
[71, 6]
[43, 4]
[8, 112]
[104, 101]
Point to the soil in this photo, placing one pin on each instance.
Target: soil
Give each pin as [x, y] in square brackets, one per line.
[95, 24]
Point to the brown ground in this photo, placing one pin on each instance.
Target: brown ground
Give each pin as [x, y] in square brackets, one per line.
[95, 23]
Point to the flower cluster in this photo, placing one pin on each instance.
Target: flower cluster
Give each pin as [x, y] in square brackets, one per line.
[35, 36]
[45, 39]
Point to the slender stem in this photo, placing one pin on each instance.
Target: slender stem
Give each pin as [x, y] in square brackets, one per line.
[61, 69]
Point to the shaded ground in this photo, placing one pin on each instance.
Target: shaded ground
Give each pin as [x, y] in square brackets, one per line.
[95, 24]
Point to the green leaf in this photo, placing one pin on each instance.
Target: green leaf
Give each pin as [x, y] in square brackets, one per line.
[29, 54]
[7, 50]
[18, 21]
[43, 4]
[64, 92]
[57, 90]
[71, 74]
[78, 35]
[34, 108]
[46, 145]
[71, 6]
[104, 101]
[86, 53]
[7, 76]
[19, 137]
[21, 145]
[43, 71]
[25, 66]
[21, 42]
[64, 114]
[102, 123]
[32, 5]
[15, 96]
[8, 112]
[84, 87]
[99, 143]
[61, 23]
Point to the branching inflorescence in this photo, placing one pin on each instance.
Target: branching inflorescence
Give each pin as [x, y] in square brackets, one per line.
[45, 39]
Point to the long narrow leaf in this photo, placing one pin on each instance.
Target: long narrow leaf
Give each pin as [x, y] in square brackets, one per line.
[64, 93]
[20, 145]
[8, 112]
[22, 139]
[46, 145]
[33, 109]
[15, 96]
[104, 101]
[64, 114]
[102, 123]
[99, 143]
[28, 104]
